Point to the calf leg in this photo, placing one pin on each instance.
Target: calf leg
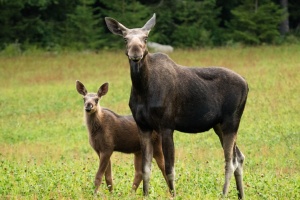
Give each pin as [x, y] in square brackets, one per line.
[169, 152]
[138, 171]
[108, 177]
[147, 155]
[104, 161]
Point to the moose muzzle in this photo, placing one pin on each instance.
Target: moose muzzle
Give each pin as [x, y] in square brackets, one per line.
[135, 58]
[88, 107]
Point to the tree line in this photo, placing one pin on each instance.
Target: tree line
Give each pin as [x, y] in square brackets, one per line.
[79, 24]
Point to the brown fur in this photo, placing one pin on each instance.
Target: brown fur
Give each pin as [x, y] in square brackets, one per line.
[109, 132]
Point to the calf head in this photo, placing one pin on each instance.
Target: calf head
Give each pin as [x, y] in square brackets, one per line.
[135, 39]
[91, 99]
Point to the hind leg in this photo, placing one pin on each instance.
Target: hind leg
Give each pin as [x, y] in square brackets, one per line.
[238, 173]
[169, 157]
[138, 175]
[233, 159]
[228, 145]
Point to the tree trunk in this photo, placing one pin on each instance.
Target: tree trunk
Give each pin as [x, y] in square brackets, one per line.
[284, 26]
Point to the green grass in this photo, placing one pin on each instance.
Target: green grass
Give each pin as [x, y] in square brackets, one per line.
[44, 149]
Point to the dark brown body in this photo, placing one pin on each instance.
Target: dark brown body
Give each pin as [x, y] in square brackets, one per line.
[171, 97]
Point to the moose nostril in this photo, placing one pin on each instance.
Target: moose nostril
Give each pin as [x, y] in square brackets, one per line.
[88, 107]
[135, 58]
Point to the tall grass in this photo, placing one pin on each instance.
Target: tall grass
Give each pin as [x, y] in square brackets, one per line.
[44, 150]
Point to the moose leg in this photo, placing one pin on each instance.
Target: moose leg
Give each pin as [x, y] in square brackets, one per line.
[169, 152]
[228, 145]
[227, 139]
[104, 161]
[108, 177]
[219, 132]
[238, 173]
[147, 155]
[159, 157]
[138, 171]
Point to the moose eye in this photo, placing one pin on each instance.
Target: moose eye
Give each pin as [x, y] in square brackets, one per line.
[125, 40]
[96, 101]
[145, 39]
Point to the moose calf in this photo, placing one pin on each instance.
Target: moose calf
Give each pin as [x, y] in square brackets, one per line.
[109, 132]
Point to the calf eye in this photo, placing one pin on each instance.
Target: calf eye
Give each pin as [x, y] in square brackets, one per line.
[125, 40]
[96, 101]
[145, 39]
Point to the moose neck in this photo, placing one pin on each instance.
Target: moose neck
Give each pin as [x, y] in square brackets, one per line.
[139, 74]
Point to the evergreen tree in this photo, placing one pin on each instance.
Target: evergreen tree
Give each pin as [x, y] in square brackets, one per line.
[196, 23]
[183, 23]
[255, 22]
[81, 29]
[10, 14]
[165, 25]
[130, 13]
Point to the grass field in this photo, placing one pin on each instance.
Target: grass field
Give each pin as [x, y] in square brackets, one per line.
[44, 149]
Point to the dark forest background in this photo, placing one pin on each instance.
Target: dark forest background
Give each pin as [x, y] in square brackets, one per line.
[79, 24]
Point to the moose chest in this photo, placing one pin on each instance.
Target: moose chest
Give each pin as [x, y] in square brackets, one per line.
[148, 113]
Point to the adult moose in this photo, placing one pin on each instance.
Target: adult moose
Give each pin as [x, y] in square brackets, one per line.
[166, 97]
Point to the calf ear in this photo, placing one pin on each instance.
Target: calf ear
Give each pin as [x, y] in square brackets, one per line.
[150, 23]
[103, 90]
[80, 88]
[115, 27]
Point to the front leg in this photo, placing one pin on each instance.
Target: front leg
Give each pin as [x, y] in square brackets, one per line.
[147, 154]
[108, 177]
[169, 152]
[104, 162]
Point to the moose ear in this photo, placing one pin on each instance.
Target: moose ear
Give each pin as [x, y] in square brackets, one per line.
[115, 27]
[80, 88]
[103, 90]
[150, 24]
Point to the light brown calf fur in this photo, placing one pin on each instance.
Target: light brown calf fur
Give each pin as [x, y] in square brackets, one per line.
[109, 132]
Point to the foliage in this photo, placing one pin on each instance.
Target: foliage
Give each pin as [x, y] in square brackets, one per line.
[81, 28]
[11, 50]
[130, 13]
[44, 148]
[79, 24]
[256, 24]
[196, 23]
